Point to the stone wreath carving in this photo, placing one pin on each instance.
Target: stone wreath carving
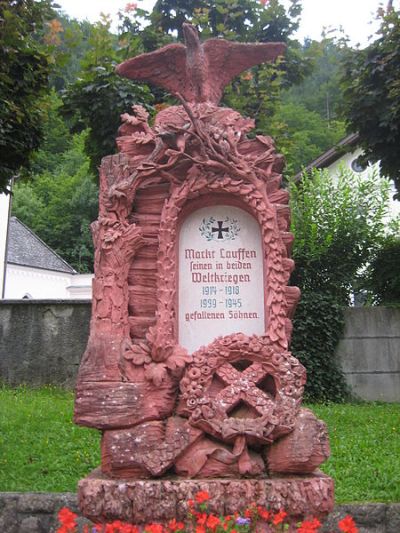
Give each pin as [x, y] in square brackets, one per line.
[214, 412]
[240, 372]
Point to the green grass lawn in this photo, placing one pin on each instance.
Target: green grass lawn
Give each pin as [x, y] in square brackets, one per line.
[40, 447]
[365, 450]
[42, 450]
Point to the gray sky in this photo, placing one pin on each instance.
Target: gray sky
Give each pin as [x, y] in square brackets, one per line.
[353, 16]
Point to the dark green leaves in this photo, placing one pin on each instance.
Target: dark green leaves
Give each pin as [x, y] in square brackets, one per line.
[337, 223]
[372, 97]
[24, 70]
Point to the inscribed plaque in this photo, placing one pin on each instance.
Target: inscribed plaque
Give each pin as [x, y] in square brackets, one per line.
[221, 287]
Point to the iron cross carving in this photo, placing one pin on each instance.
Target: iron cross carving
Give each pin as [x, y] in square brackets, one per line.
[220, 229]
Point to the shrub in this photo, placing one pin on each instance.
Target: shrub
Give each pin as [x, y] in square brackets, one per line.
[338, 222]
[383, 274]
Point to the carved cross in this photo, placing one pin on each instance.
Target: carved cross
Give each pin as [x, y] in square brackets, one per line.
[244, 386]
[220, 229]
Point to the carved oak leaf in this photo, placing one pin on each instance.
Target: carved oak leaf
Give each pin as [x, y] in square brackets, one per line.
[140, 112]
[142, 138]
[136, 354]
[137, 357]
[177, 361]
[156, 372]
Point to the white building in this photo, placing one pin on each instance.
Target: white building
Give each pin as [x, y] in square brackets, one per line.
[4, 216]
[35, 271]
[346, 155]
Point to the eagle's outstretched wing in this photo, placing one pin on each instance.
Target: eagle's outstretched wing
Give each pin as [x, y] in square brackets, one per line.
[199, 72]
[227, 59]
[165, 67]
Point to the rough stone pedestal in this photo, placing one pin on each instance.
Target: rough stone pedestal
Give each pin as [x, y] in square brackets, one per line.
[159, 500]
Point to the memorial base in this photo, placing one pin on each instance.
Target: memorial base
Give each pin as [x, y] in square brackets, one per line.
[102, 499]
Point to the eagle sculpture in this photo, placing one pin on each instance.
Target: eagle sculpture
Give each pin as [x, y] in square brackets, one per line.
[198, 71]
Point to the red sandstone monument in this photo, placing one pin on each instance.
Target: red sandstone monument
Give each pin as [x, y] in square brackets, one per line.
[188, 372]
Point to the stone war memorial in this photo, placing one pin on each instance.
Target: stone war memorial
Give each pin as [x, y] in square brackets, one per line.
[187, 372]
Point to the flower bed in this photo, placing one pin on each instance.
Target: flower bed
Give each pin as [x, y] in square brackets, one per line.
[255, 519]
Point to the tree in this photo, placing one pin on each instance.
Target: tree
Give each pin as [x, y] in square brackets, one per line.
[372, 97]
[99, 96]
[382, 279]
[56, 136]
[247, 20]
[321, 91]
[302, 135]
[69, 41]
[24, 71]
[337, 224]
[254, 93]
[59, 206]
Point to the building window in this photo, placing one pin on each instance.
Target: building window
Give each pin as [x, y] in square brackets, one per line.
[358, 166]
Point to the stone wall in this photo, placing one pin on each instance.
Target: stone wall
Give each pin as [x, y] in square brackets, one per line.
[370, 353]
[37, 513]
[41, 342]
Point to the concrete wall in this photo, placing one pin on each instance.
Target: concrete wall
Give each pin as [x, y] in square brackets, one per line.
[370, 353]
[41, 342]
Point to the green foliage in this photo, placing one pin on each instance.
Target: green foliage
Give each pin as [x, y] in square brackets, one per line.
[372, 97]
[318, 326]
[337, 223]
[383, 274]
[56, 136]
[254, 94]
[247, 20]
[97, 99]
[101, 97]
[321, 91]
[59, 205]
[69, 39]
[24, 71]
[305, 123]
[302, 135]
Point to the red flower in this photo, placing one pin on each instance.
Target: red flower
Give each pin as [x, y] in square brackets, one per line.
[154, 528]
[67, 518]
[347, 525]
[279, 517]
[119, 527]
[201, 518]
[212, 521]
[200, 529]
[202, 496]
[130, 7]
[175, 526]
[264, 514]
[309, 526]
[264, 2]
